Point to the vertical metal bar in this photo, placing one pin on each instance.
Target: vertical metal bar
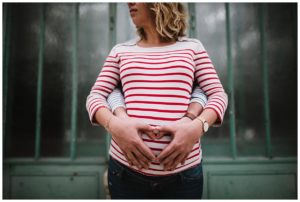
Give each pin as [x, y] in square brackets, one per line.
[267, 121]
[241, 73]
[40, 84]
[192, 20]
[112, 41]
[6, 56]
[74, 83]
[230, 85]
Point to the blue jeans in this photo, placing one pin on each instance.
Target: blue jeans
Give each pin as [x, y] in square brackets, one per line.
[125, 183]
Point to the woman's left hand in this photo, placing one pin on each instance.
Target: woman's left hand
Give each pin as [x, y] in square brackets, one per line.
[185, 134]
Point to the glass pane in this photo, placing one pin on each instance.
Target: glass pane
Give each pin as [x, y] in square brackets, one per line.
[22, 80]
[281, 33]
[211, 31]
[93, 47]
[57, 87]
[248, 78]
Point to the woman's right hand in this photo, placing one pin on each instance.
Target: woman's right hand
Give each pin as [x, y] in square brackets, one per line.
[126, 132]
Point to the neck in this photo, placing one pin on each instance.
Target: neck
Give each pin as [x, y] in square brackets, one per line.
[152, 35]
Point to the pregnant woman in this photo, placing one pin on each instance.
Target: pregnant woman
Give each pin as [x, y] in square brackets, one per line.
[154, 154]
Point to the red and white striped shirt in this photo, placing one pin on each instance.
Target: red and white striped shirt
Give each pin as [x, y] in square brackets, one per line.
[157, 84]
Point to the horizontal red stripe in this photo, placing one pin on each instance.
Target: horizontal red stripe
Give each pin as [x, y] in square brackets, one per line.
[91, 103]
[213, 83]
[117, 150]
[200, 53]
[203, 63]
[165, 74]
[159, 103]
[156, 110]
[201, 58]
[175, 169]
[107, 76]
[203, 68]
[157, 141]
[211, 104]
[109, 71]
[157, 81]
[156, 95]
[119, 158]
[157, 88]
[151, 58]
[157, 63]
[153, 117]
[101, 89]
[101, 86]
[111, 61]
[211, 94]
[222, 99]
[156, 55]
[207, 79]
[220, 103]
[206, 73]
[193, 156]
[155, 149]
[162, 52]
[100, 81]
[155, 68]
[110, 56]
[94, 109]
[108, 66]
[213, 88]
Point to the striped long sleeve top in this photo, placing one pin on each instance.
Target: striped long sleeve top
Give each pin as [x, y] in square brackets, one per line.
[157, 84]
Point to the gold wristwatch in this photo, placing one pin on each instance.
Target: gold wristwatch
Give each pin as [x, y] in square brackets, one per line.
[204, 123]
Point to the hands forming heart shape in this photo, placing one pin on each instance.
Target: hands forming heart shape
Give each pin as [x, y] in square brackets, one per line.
[184, 132]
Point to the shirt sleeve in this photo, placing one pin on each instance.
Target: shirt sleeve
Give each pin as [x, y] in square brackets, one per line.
[106, 82]
[198, 96]
[209, 82]
[116, 99]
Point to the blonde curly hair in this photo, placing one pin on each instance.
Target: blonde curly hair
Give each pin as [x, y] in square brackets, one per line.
[170, 20]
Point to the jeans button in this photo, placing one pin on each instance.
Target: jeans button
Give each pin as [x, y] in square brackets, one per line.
[156, 186]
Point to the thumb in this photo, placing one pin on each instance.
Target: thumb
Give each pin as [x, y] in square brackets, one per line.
[144, 127]
[163, 130]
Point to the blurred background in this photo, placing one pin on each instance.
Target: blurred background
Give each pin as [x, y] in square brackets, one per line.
[53, 52]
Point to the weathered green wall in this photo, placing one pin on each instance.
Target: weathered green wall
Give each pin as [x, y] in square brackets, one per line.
[223, 179]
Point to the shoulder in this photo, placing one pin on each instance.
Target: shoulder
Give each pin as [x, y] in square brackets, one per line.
[193, 43]
[125, 44]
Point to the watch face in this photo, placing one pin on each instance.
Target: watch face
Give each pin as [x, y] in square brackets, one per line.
[205, 127]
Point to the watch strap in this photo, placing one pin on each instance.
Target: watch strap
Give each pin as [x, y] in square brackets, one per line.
[190, 115]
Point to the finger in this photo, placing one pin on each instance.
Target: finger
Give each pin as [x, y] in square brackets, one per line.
[169, 160]
[144, 127]
[177, 160]
[165, 129]
[133, 159]
[145, 151]
[150, 134]
[126, 157]
[161, 134]
[184, 158]
[128, 160]
[166, 152]
[141, 159]
[171, 164]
